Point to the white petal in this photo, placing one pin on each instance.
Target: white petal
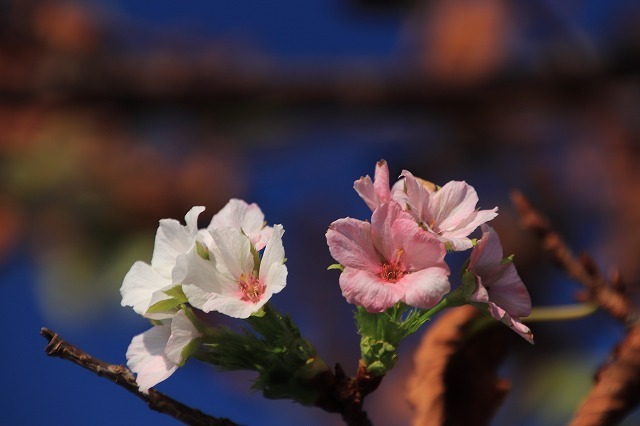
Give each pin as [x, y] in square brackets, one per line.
[146, 357]
[183, 332]
[172, 240]
[274, 253]
[191, 219]
[202, 281]
[238, 214]
[139, 285]
[276, 279]
[232, 251]
[232, 306]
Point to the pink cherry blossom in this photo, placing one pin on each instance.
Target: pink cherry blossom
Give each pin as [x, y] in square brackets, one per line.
[155, 354]
[227, 282]
[498, 284]
[388, 260]
[247, 217]
[449, 213]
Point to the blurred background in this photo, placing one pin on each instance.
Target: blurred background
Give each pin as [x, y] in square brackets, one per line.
[116, 114]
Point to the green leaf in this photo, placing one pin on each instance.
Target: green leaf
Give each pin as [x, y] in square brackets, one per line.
[177, 293]
[335, 266]
[163, 306]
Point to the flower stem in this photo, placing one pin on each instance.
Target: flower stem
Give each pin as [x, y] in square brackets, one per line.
[561, 313]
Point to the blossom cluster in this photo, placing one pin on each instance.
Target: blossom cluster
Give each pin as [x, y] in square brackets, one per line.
[233, 266]
[399, 256]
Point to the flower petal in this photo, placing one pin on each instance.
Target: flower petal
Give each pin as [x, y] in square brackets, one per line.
[350, 244]
[365, 289]
[381, 182]
[424, 288]
[487, 253]
[364, 187]
[376, 192]
[172, 240]
[509, 292]
[146, 357]
[418, 198]
[273, 272]
[513, 323]
[387, 239]
[238, 214]
[139, 284]
[183, 332]
[421, 249]
[232, 251]
[232, 306]
[452, 204]
[202, 281]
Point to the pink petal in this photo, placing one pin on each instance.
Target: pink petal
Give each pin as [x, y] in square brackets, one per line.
[381, 182]
[365, 289]
[382, 233]
[509, 292]
[513, 323]
[421, 249]
[418, 197]
[350, 244]
[376, 192]
[488, 251]
[425, 288]
[453, 204]
[466, 227]
[364, 187]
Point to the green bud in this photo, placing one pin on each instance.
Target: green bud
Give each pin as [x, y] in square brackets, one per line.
[202, 251]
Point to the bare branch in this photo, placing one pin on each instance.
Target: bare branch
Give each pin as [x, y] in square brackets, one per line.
[345, 395]
[581, 269]
[617, 389]
[123, 377]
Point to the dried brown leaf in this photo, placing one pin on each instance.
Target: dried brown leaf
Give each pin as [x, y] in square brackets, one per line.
[455, 380]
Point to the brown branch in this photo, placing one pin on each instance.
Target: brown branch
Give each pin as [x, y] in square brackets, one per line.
[123, 377]
[617, 389]
[345, 395]
[581, 269]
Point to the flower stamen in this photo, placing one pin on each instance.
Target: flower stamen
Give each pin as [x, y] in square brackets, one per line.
[394, 270]
[251, 287]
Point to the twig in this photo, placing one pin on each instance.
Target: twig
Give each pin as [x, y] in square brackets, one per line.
[583, 269]
[123, 377]
[617, 389]
[345, 395]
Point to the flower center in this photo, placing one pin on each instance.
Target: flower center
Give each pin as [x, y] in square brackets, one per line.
[251, 287]
[393, 270]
